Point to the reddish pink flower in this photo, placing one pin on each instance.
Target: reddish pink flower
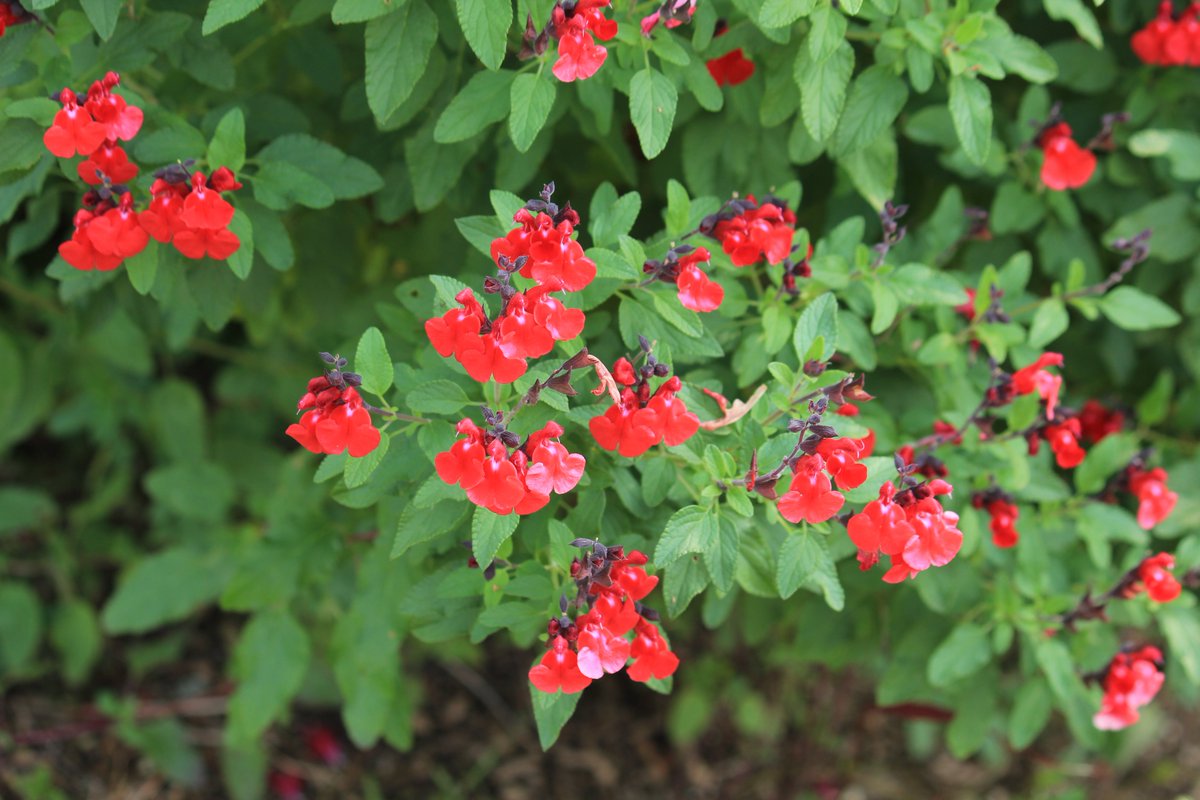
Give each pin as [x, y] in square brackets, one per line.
[73, 130]
[458, 328]
[1097, 422]
[559, 669]
[652, 657]
[555, 469]
[117, 232]
[811, 497]
[79, 251]
[120, 121]
[697, 291]
[552, 257]
[483, 360]
[730, 69]
[1148, 42]
[110, 160]
[882, 526]
[1131, 681]
[1155, 575]
[758, 232]
[204, 208]
[217, 244]
[338, 426]
[1063, 441]
[674, 422]
[626, 427]
[501, 489]
[1065, 165]
[1004, 523]
[579, 57]
[161, 217]
[1036, 378]
[1155, 500]
[462, 464]
[841, 460]
[600, 650]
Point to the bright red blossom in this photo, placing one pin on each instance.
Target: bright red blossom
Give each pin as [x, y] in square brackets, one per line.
[579, 57]
[910, 527]
[757, 233]
[111, 161]
[1131, 681]
[811, 497]
[1063, 439]
[337, 421]
[1156, 578]
[73, 130]
[641, 420]
[1155, 500]
[1065, 165]
[1036, 378]
[730, 69]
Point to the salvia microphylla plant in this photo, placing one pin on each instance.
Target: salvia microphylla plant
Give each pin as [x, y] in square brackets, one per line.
[509, 473]
[849, 349]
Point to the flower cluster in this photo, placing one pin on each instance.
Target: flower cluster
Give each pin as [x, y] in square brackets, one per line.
[642, 418]
[681, 267]
[12, 13]
[529, 322]
[1004, 512]
[576, 24]
[1155, 500]
[910, 526]
[187, 209]
[1131, 681]
[1168, 41]
[1155, 578]
[611, 584]
[749, 232]
[504, 482]
[336, 419]
[821, 456]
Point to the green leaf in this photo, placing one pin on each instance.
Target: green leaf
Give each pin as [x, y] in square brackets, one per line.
[279, 186]
[652, 101]
[782, 13]
[818, 320]
[269, 663]
[228, 145]
[1031, 712]
[1080, 16]
[372, 362]
[1056, 664]
[874, 103]
[483, 101]
[685, 579]
[551, 712]
[971, 111]
[162, 588]
[1156, 402]
[1182, 149]
[242, 259]
[1109, 455]
[691, 529]
[20, 146]
[961, 654]
[826, 32]
[75, 634]
[804, 561]
[20, 626]
[1026, 58]
[1050, 321]
[612, 217]
[345, 176]
[419, 525]
[397, 51]
[531, 98]
[823, 86]
[103, 14]
[1134, 310]
[221, 13]
[679, 210]
[488, 531]
[358, 470]
[347, 11]
[437, 397]
[485, 24]
[143, 268]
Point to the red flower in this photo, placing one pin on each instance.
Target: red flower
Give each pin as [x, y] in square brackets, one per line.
[841, 459]
[117, 232]
[552, 257]
[120, 121]
[204, 208]
[1147, 43]
[1035, 378]
[674, 422]
[1062, 439]
[731, 69]
[652, 657]
[810, 497]
[336, 426]
[1096, 422]
[882, 525]
[1004, 523]
[463, 463]
[600, 650]
[73, 130]
[562, 323]
[1131, 681]
[697, 291]
[1155, 500]
[1181, 44]
[1155, 575]
[79, 251]
[198, 243]
[500, 489]
[626, 427]
[483, 360]
[12, 15]
[518, 334]
[759, 232]
[111, 160]
[1065, 164]
[579, 57]
[555, 469]
[458, 328]
[559, 669]
[630, 576]
[223, 180]
[161, 217]
[967, 309]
